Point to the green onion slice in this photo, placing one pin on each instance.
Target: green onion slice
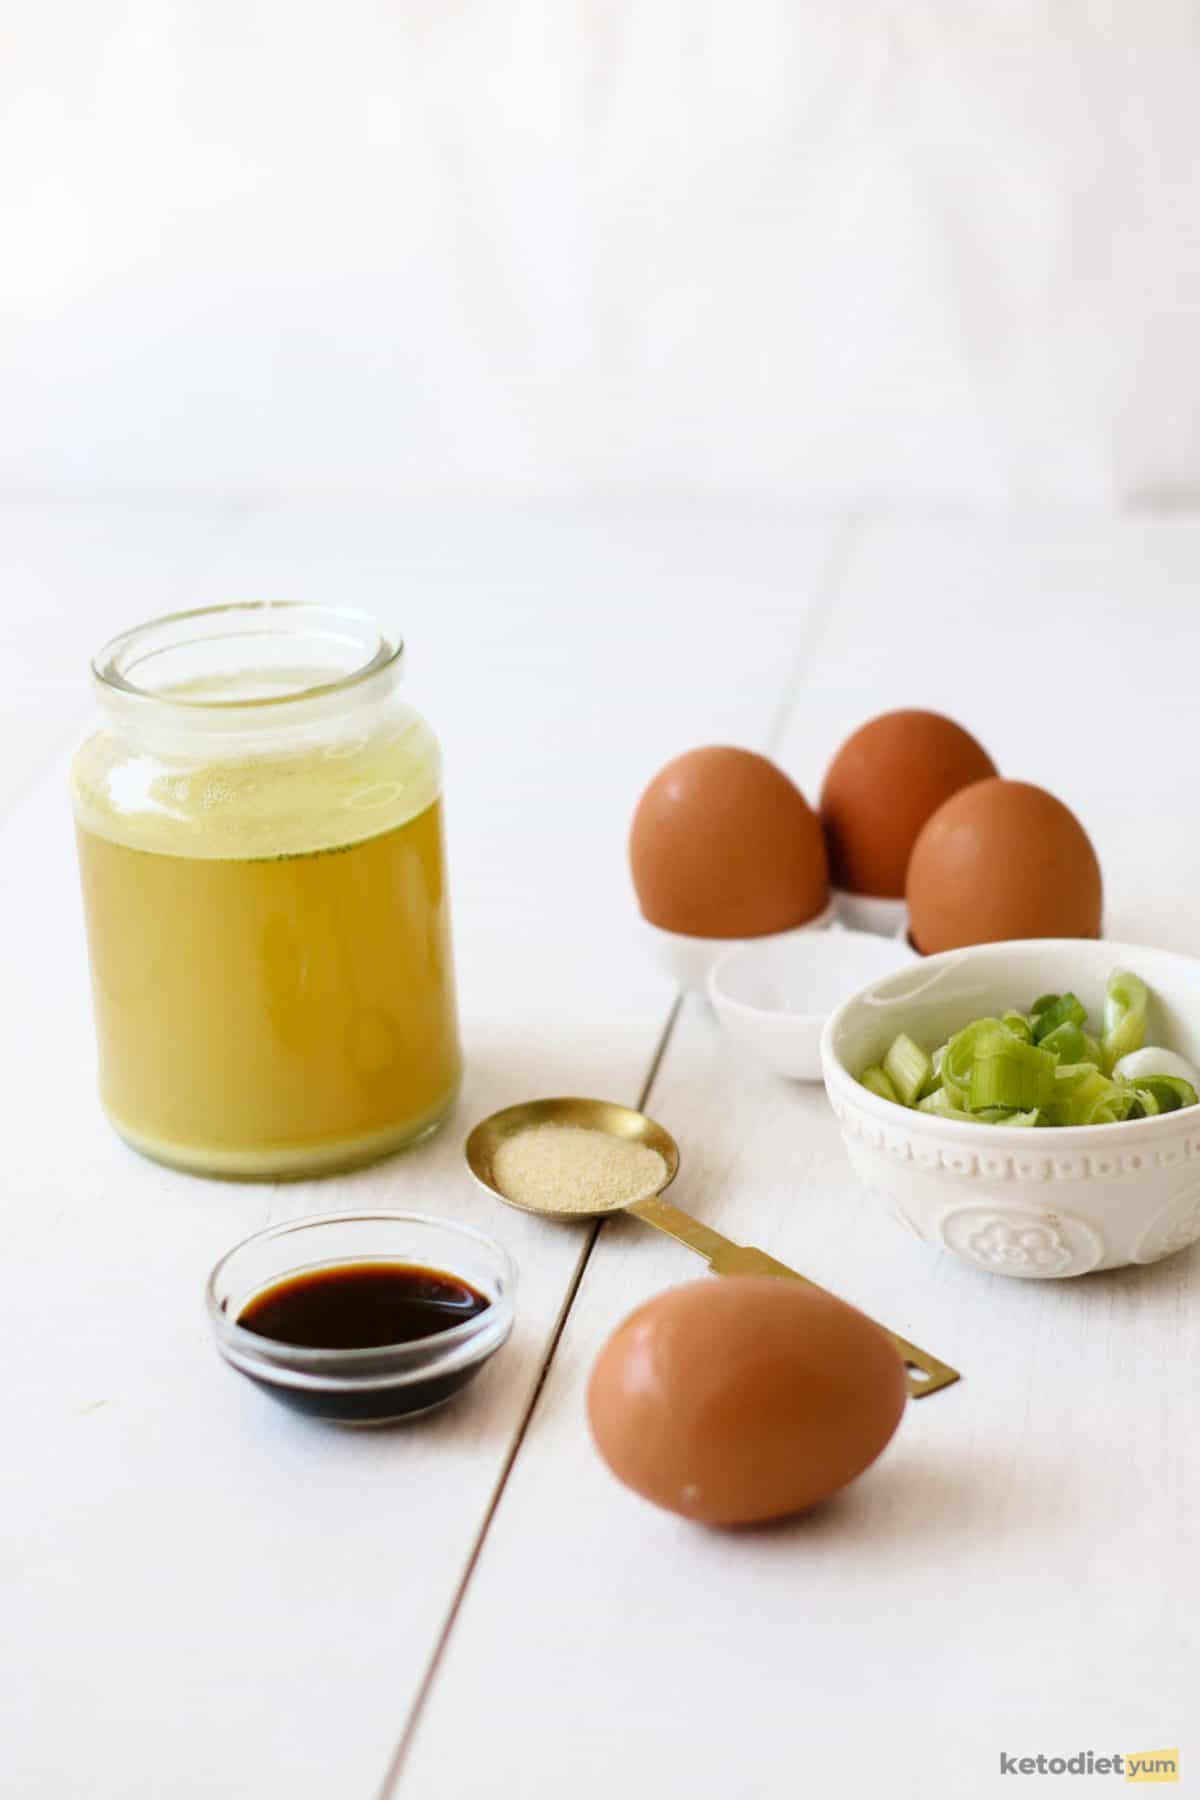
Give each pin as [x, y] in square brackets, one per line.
[1085, 1096]
[907, 1068]
[960, 1052]
[1009, 1073]
[1062, 1009]
[942, 1107]
[1078, 1087]
[1125, 1006]
[1169, 1092]
[1066, 1042]
[1152, 1059]
[876, 1082]
[1119, 1104]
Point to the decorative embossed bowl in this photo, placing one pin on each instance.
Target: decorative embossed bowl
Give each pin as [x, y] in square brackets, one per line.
[1040, 1203]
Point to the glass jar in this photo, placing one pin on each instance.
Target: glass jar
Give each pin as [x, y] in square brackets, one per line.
[260, 842]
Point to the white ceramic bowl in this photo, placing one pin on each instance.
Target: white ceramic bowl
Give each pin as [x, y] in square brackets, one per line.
[872, 912]
[773, 995]
[687, 960]
[1035, 1203]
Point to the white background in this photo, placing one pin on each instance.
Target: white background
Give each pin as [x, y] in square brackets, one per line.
[884, 250]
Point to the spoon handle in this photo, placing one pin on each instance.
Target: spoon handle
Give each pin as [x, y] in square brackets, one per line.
[926, 1375]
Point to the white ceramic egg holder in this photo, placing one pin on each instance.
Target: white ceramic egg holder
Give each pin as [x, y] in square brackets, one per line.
[773, 994]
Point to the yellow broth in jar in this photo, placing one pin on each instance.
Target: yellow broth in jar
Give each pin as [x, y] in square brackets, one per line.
[266, 1012]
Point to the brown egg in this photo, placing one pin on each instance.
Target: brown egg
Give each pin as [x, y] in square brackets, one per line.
[882, 786]
[724, 845]
[743, 1397]
[1002, 859]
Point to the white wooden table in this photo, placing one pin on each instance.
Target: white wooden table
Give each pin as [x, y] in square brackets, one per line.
[205, 1596]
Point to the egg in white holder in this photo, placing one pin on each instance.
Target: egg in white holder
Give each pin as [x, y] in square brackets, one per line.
[878, 913]
[725, 849]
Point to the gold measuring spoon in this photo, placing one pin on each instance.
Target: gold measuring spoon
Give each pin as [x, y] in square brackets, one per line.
[925, 1373]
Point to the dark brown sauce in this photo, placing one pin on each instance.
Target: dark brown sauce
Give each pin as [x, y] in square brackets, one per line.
[365, 1306]
[362, 1306]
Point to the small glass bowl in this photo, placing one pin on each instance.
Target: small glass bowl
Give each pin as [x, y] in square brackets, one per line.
[386, 1382]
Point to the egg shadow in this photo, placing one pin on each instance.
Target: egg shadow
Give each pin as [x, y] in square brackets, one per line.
[880, 1504]
[913, 1497]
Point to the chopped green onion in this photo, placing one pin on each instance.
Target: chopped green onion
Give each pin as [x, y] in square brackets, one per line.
[1063, 1009]
[942, 1107]
[1118, 1104]
[1152, 1059]
[959, 1058]
[876, 1082]
[1125, 1006]
[1169, 1092]
[1066, 1042]
[907, 1068]
[1005, 1115]
[1073, 1075]
[1009, 1073]
[935, 1073]
[1042, 1068]
[1078, 1087]
[1085, 1096]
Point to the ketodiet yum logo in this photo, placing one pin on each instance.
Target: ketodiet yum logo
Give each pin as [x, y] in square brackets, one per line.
[1129, 1765]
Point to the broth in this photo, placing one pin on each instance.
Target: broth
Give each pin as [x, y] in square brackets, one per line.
[268, 1014]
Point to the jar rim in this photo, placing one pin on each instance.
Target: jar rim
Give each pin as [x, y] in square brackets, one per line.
[350, 627]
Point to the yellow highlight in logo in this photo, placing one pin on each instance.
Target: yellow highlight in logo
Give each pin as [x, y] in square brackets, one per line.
[1152, 1765]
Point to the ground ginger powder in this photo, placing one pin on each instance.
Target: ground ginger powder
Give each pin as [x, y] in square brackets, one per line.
[571, 1168]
